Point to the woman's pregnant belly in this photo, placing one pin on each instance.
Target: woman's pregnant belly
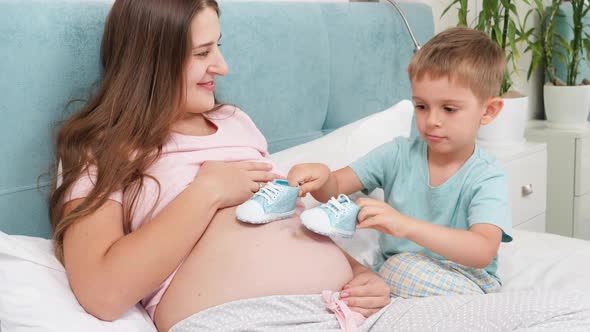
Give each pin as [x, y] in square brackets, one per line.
[235, 261]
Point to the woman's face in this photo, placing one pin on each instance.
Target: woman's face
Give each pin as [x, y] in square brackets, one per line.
[204, 63]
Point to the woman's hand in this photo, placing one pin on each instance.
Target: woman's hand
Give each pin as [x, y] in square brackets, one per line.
[233, 182]
[366, 293]
[381, 216]
[310, 177]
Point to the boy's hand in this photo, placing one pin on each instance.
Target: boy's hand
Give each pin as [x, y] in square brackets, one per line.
[380, 216]
[309, 177]
[366, 293]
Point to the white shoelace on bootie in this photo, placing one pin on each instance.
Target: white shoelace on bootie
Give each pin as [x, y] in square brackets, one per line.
[335, 206]
[270, 192]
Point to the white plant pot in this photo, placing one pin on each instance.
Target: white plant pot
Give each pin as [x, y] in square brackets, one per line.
[507, 129]
[567, 107]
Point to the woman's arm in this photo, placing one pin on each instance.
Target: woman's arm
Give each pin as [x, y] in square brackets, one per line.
[110, 272]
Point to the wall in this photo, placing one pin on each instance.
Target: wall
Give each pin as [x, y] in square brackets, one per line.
[532, 88]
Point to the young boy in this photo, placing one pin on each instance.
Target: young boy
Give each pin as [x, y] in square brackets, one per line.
[447, 207]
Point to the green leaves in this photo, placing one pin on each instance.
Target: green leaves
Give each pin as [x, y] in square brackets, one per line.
[500, 20]
[587, 47]
[568, 52]
[541, 40]
[580, 9]
[536, 59]
[461, 13]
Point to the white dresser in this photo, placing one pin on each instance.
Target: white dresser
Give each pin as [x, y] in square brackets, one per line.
[568, 179]
[526, 167]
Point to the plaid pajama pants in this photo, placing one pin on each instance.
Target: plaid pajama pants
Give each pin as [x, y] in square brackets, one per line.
[417, 275]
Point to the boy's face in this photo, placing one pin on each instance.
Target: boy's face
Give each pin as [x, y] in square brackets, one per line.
[448, 115]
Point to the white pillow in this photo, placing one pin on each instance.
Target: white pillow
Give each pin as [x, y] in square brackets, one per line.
[340, 148]
[348, 143]
[35, 294]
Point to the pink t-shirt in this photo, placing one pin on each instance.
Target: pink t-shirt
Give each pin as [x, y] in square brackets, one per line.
[236, 139]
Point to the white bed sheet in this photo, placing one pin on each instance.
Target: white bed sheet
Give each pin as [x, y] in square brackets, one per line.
[544, 261]
[532, 261]
[34, 290]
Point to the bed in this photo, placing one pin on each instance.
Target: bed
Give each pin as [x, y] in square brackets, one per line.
[323, 81]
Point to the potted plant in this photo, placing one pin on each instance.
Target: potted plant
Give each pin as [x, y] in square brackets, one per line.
[500, 20]
[564, 47]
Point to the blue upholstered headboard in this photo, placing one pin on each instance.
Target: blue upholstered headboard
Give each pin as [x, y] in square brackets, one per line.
[298, 69]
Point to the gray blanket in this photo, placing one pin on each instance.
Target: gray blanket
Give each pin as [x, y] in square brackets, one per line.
[523, 311]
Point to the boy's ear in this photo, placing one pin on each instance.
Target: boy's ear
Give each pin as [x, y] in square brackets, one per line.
[493, 107]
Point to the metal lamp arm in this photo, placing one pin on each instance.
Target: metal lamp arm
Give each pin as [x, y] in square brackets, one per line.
[399, 10]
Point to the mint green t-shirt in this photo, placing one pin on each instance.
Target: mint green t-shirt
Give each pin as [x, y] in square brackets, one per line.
[477, 193]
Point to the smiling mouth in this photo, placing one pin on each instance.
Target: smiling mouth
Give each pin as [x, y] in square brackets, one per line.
[208, 85]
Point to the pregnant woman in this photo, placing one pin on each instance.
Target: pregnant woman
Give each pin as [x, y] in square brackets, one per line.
[150, 171]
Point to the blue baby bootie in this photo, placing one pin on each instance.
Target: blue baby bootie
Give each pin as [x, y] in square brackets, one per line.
[276, 200]
[335, 217]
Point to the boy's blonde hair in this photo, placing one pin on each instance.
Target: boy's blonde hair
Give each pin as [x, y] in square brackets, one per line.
[464, 55]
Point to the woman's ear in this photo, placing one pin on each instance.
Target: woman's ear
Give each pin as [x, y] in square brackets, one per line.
[493, 107]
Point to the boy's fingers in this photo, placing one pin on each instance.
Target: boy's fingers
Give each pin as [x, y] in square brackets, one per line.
[298, 180]
[366, 201]
[372, 224]
[361, 202]
[307, 187]
[368, 212]
[362, 226]
[293, 179]
[367, 223]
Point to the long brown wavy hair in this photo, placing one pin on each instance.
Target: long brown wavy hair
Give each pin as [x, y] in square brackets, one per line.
[121, 130]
